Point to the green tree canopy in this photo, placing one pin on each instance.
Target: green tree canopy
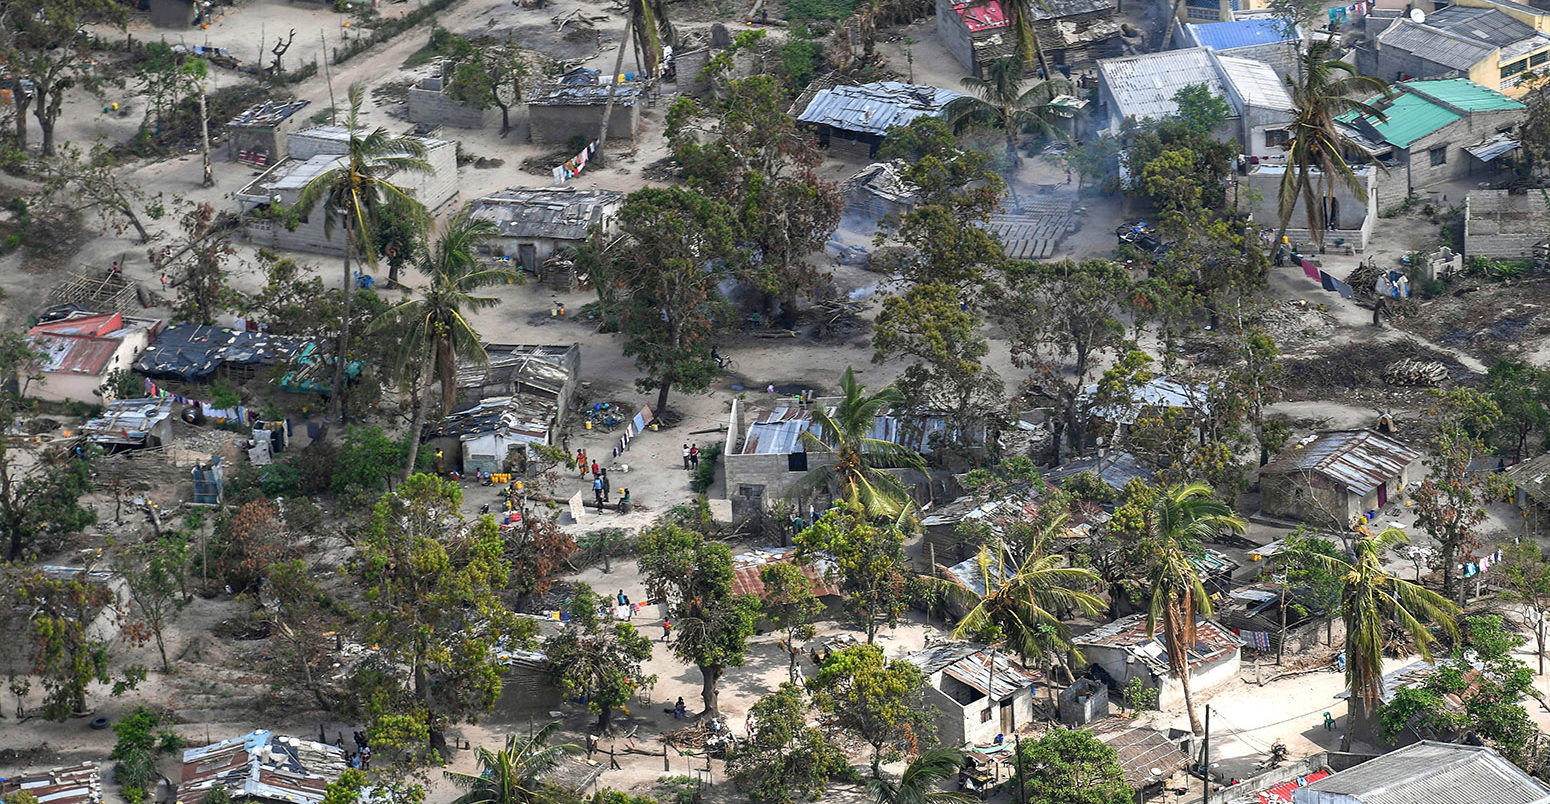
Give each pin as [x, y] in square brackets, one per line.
[1071, 766]
[881, 702]
[786, 759]
[596, 658]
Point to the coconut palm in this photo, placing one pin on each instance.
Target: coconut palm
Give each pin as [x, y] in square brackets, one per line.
[921, 780]
[1371, 597]
[435, 330]
[354, 191]
[1322, 89]
[857, 473]
[1021, 16]
[1003, 103]
[1177, 521]
[514, 774]
[1022, 591]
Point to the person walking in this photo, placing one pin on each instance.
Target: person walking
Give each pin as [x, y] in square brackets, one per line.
[679, 709]
[597, 489]
[694, 456]
[667, 629]
[604, 477]
[594, 469]
[686, 456]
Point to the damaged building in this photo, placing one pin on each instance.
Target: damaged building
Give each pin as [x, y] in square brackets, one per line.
[1333, 477]
[1122, 650]
[549, 372]
[482, 437]
[79, 351]
[104, 616]
[267, 202]
[1072, 34]
[258, 136]
[536, 223]
[194, 353]
[131, 423]
[261, 766]
[854, 119]
[575, 105]
[1144, 88]
[977, 691]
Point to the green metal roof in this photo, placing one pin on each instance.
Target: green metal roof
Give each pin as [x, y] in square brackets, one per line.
[1417, 110]
[1464, 94]
[1410, 117]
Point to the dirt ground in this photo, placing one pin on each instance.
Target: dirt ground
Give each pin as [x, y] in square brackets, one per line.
[219, 688]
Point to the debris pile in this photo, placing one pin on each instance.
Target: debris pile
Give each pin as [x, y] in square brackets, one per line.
[1424, 373]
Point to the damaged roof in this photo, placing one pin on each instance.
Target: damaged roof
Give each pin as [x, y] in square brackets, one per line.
[568, 94]
[976, 667]
[261, 765]
[191, 352]
[746, 566]
[1356, 460]
[506, 415]
[874, 108]
[1212, 642]
[1140, 751]
[1114, 469]
[530, 368]
[1159, 392]
[1532, 477]
[1143, 86]
[128, 421]
[84, 343]
[561, 213]
[884, 180]
[72, 784]
[268, 113]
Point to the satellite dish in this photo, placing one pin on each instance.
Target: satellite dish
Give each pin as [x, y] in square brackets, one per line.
[1417, 16]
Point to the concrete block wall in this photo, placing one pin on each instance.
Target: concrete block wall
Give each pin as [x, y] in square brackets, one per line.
[436, 108]
[556, 124]
[954, 35]
[1468, 130]
[1498, 224]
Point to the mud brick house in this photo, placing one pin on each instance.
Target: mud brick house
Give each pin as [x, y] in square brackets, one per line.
[258, 136]
[978, 692]
[1336, 476]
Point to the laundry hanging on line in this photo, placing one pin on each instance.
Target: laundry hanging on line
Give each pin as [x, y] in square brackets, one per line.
[573, 166]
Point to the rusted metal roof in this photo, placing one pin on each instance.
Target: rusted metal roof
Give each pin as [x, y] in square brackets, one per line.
[261, 766]
[873, 108]
[971, 665]
[1212, 641]
[73, 784]
[1355, 460]
[84, 343]
[746, 566]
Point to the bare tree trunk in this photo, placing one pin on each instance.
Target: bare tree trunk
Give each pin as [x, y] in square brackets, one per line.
[710, 692]
[336, 391]
[608, 110]
[21, 116]
[204, 133]
[417, 424]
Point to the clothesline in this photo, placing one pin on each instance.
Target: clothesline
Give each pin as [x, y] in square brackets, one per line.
[573, 167]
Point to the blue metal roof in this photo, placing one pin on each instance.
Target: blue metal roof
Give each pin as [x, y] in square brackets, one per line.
[1241, 33]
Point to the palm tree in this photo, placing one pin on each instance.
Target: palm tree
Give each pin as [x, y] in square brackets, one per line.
[921, 779]
[514, 774]
[435, 330]
[646, 24]
[354, 191]
[1021, 595]
[1322, 90]
[1371, 597]
[857, 471]
[1176, 522]
[1004, 104]
[1020, 16]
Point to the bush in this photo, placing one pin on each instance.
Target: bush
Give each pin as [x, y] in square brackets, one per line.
[819, 9]
[1139, 696]
[1088, 487]
[366, 459]
[280, 480]
[136, 751]
[705, 474]
[1431, 288]
[800, 58]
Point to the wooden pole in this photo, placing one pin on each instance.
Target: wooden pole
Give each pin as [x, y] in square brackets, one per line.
[613, 86]
[204, 133]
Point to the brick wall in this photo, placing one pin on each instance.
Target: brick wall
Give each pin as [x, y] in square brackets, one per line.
[1468, 130]
[1497, 224]
[556, 124]
[954, 35]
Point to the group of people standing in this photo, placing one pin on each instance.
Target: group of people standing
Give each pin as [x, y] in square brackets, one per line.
[691, 456]
[601, 488]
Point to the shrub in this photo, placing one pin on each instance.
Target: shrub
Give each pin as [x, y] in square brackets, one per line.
[705, 473]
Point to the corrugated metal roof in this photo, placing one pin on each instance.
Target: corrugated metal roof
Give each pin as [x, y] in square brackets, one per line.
[125, 421]
[1114, 469]
[267, 114]
[560, 213]
[1532, 477]
[1480, 24]
[1435, 45]
[1139, 750]
[1143, 86]
[569, 94]
[1492, 147]
[874, 108]
[971, 665]
[83, 344]
[1257, 83]
[746, 566]
[1242, 33]
[1462, 93]
[1212, 641]
[1432, 773]
[73, 784]
[1410, 117]
[1159, 392]
[1358, 460]
[263, 766]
